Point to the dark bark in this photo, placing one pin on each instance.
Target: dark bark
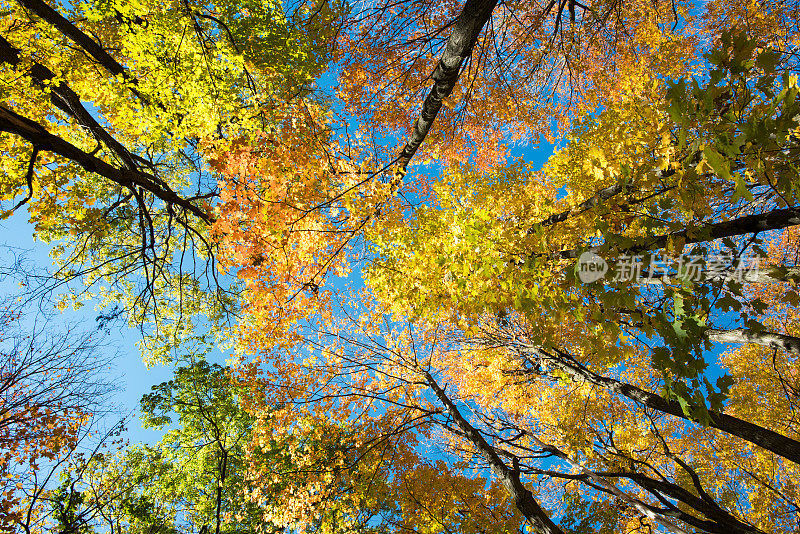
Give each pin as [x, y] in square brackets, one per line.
[510, 478]
[28, 179]
[223, 473]
[718, 521]
[761, 222]
[55, 19]
[763, 437]
[84, 41]
[600, 482]
[39, 137]
[715, 519]
[65, 99]
[459, 46]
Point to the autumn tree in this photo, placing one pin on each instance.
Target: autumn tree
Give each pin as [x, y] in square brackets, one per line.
[401, 73]
[220, 469]
[110, 115]
[192, 479]
[710, 159]
[52, 392]
[562, 451]
[687, 162]
[591, 405]
[660, 188]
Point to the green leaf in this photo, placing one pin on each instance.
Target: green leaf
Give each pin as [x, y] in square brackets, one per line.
[767, 60]
[717, 162]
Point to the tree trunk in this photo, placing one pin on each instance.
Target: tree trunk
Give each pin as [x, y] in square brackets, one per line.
[763, 437]
[523, 498]
[39, 137]
[761, 222]
[772, 340]
[459, 46]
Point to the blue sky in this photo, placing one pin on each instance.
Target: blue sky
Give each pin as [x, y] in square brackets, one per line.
[129, 374]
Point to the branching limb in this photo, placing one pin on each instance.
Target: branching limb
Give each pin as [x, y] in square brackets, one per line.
[28, 179]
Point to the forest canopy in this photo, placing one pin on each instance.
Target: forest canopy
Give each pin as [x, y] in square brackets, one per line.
[423, 330]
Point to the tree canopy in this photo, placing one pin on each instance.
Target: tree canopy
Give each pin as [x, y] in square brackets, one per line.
[424, 332]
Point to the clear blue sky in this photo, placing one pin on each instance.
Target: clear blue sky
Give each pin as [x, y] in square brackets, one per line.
[129, 374]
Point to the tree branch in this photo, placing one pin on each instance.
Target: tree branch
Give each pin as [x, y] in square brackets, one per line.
[65, 99]
[465, 34]
[28, 179]
[523, 498]
[59, 22]
[758, 435]
[773, 340]
[761, 222]
[36, 134]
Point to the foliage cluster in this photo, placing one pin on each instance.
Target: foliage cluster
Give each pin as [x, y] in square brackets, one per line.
[412, 345]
